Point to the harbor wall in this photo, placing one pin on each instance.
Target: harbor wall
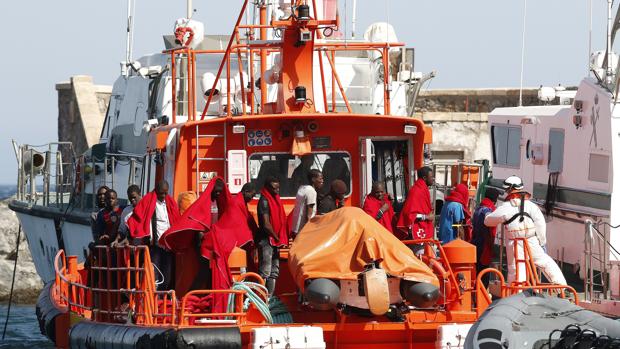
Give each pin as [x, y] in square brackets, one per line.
[82, 106]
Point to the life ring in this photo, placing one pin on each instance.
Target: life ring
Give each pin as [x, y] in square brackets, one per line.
[179, 35]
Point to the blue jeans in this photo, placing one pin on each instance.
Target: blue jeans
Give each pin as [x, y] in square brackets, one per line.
[268, 263]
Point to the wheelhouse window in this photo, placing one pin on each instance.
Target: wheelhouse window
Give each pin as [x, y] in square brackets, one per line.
[556, 150]
[506, 145]
[292, 171]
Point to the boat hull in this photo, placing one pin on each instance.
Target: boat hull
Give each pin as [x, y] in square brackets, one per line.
[49, 229]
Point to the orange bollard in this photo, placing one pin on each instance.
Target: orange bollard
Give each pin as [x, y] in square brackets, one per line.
[461, 256]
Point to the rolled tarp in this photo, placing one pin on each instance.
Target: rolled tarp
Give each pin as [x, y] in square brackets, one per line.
[340, 244]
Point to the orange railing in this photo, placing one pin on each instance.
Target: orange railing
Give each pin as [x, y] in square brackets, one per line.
[532, 281]
[118, 285]
[430, 257]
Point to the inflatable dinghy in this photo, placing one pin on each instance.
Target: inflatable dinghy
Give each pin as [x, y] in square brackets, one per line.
[533, 320]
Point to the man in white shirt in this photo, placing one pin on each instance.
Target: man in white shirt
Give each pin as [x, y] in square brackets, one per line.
[306, 201]
[523, 219]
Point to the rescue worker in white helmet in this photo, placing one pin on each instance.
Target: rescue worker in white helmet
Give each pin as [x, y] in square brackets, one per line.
[523, 219]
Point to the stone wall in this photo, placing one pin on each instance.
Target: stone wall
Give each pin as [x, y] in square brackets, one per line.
[81, 111]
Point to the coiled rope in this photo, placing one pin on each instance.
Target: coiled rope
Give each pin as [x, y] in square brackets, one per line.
[252, 290]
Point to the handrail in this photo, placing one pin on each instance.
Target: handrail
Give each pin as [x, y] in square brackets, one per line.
[442, 259]
[239, 314]
[483, 300]
[129, 274]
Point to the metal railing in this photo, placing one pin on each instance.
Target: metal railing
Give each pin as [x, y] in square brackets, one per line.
[118, 286]
[596, 258]
[45, 173]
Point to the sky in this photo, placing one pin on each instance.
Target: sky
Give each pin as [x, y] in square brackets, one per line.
[471, 44]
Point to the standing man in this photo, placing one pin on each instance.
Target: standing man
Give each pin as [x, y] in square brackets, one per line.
[379, 206]
[455, 216]
[108, 220]
[134, 196]
[151, 217]
[523, 219]
[272, 232]
[483, 236]
[334, 199]
[100, 206]
[306, 201]
[300, 173]
[416, 218]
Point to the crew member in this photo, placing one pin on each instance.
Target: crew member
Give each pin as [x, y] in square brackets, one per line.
[306, 201]
[455, 216]
[272, 232]
[378, 205]
[523, 219]
[108, 220]
[416, 218]
[334, 199]
[151, 217]
[483, 236]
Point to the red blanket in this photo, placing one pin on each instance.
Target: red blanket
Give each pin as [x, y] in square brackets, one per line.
[372, 206]
[278, 218]
[197, 218]
[140, 221]
[487, 248]
[418, 201]
[460, 194]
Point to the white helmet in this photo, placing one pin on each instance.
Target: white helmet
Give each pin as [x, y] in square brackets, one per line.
[513, 182]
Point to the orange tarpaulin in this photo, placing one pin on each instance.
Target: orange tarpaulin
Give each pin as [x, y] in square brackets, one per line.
[339, 244]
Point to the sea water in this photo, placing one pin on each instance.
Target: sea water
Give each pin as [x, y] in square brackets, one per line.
[23, 328]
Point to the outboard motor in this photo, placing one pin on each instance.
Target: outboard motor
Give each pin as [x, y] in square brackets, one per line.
[376, 289]
[419, 294]
[322, 294]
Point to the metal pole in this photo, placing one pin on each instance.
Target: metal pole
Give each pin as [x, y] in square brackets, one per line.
[189, 9]
[33, 187]
[94, 179]
[587, 259]
[113, 169]
[132, 172]
[501, 249]
[609, 71]
[353, 19]
[523, 53]
[8, 311]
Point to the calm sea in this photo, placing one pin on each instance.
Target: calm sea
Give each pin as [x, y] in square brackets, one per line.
[23, 328]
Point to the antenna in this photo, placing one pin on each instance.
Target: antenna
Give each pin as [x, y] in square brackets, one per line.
[590, 41]
[189, 9]
[522, 53]
[129, 48]
[353, 19]
[608, 71]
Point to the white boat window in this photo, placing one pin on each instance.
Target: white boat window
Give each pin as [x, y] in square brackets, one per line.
[506, 145]
[292, 171]
[556, 150]
[598, 169]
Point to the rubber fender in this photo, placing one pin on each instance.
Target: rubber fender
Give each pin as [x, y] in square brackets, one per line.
[47, 313]
[419, 294]
[207, 338]
[322, 294]
[90, 335]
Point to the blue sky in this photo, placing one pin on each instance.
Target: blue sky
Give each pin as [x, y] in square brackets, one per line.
[474, 44]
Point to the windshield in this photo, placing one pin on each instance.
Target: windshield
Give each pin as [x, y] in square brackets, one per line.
[292, 171]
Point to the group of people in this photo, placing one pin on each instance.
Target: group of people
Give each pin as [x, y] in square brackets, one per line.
[216, 222]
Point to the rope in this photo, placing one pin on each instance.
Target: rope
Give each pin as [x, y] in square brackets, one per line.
[251, 289]
[8, 311]
[279, 311]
